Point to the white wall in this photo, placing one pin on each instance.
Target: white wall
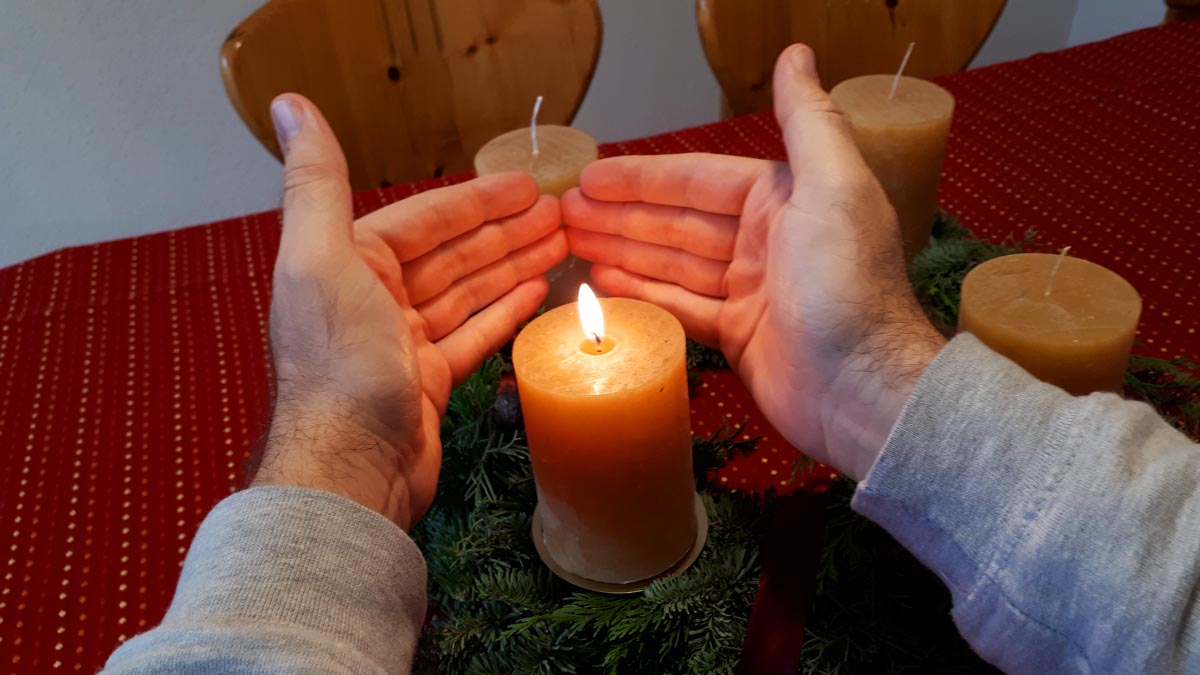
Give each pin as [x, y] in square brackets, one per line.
[1026, 27]
[652, 76]
[1099, 19]
[113, 121]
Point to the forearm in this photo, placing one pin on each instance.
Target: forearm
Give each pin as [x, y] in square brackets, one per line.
[1068, 529]
[289, 580]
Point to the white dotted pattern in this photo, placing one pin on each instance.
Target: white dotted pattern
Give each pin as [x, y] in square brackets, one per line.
[136, 378]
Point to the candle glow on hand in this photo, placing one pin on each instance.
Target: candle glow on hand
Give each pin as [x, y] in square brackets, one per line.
[591, 317]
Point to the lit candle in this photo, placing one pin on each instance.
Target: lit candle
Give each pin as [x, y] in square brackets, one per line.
[604, 396]
[902, 137]
[1067, 321]
[562, 152]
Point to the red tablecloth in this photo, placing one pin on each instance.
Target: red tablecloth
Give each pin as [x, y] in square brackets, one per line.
[135, 369]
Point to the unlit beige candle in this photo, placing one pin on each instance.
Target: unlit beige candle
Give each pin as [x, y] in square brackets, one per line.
[903, 140]
[1077, 336]
[562, 154]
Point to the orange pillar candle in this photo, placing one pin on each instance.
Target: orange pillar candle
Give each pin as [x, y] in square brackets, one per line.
[1077, 336]
[609, 437]
[903, 140]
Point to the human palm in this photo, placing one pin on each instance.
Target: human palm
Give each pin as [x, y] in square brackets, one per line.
[373, 321]
[793, 270]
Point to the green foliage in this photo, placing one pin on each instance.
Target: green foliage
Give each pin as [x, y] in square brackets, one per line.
[690, 623]
[501, 611]
[700, 357]
[1171, 386]
[875, 608]
[714, 452]
[937, 272]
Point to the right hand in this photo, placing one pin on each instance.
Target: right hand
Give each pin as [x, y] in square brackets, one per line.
[795, 271]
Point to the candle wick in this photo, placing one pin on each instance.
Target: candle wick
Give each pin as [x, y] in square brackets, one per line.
[537, 106]
[1054, 272]
[599, 340]
[903, 63]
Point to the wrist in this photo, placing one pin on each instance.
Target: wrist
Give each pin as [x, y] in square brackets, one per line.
[871, 388]
[328, 446]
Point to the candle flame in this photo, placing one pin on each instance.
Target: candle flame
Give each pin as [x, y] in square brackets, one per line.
[591, 317]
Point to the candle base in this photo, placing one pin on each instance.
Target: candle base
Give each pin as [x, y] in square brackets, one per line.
[634, 586]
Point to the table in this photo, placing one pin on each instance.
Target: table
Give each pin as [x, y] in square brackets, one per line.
[135, 369]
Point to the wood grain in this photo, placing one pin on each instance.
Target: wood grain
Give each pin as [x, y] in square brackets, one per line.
[413, 88]
[742, 39]
[1183, 10]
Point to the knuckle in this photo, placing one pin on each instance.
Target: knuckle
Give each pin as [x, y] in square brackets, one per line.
[307, 175]
[315, 181]
[294, 271]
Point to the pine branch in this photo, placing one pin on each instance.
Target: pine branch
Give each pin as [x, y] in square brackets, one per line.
[502, 611]
[875, 608]
[1171, 386]
[700, 357]
[724, 444]
[938, 271]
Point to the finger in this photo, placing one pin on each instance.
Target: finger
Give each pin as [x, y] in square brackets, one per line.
[435, 271]
[816, 134]
[698, 313]
[483, 334]
[713, 183]
[415, 226]
[436, 380]
[317, 208]
[424, 471]
[706, 234]
[449, 309]
[661, 263]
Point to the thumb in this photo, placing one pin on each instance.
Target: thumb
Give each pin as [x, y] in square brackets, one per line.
[318, 215]
[815, 132]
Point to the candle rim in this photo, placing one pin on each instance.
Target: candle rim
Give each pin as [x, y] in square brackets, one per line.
[526, 359]
[1113, 288]
[901, 102]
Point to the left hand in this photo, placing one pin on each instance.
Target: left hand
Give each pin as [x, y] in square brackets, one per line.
[373, 321]
[794, 270]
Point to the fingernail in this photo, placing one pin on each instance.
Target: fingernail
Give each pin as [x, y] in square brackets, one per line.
[287, 116]
[800, 59]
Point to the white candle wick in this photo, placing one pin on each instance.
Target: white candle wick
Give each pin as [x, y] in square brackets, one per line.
[1054, 272]
[903, 64]
[537, 107]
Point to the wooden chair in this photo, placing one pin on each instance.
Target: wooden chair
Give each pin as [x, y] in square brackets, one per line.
[1183, 10]
[413, 88]
[742, 39]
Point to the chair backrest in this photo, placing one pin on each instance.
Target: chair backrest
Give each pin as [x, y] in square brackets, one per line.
[413, 88]
[742, 39]
[1183, 10]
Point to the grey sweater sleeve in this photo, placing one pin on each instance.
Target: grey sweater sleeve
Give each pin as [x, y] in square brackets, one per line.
[1067, 529]
[289, 580]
